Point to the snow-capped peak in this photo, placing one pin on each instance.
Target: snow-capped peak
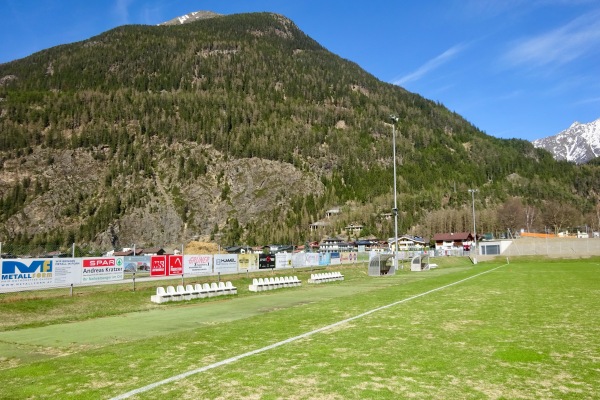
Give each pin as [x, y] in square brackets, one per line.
[191, 17]
[579, 143]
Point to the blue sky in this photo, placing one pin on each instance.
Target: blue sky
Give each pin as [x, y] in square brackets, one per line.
[514, 68]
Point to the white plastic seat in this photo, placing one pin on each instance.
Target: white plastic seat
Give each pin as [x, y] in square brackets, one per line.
[263, 284]
[223, 290]
[214, 290]
[175, 296]
[161, 296]
[232, 289]
[206, 289]
[184, 294]
[254, 287]
[190, 290]
[200, 292]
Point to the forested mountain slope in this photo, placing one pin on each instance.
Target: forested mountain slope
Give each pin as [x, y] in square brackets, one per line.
[244, 129]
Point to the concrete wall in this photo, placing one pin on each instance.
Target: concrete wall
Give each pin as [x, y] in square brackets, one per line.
[553, 247]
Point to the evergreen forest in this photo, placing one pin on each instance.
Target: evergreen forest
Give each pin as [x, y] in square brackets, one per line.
[241, 129]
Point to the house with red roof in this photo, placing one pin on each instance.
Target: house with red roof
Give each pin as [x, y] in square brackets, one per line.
[454, 241]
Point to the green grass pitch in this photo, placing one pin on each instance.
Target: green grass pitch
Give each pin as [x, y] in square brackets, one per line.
[529, 329]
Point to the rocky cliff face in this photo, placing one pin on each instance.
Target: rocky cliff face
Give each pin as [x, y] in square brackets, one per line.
[579, 143]
[163, 209]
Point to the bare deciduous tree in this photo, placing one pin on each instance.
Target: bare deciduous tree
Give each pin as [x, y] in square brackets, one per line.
[511, 214]
[559, 216]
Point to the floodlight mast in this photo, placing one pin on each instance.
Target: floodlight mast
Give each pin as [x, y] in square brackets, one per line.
[395, 209]
[473, 191]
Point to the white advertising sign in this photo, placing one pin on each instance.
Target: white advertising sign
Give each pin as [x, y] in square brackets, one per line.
[283, 260]
[197, 264]
[66, 271]
[312, 259]
[226, 263]
[102, 269]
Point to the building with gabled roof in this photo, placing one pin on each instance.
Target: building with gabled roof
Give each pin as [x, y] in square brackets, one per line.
[458, 240]
[409, 242]
[334, 244]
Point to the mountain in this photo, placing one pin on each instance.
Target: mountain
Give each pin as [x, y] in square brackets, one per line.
[191, 17]
[243, 130]
[579, 143]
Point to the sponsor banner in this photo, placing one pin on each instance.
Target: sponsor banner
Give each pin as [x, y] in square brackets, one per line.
[299, 260]
[175, 264]
[197, 264]
[266, 261]
[66, 271]
[136, 263]
[247, 261]
[283, 260]
[226, 263]
[312, 259]
[158, 265]
[27, 273]
[348, 258]
[324, 259]
[335, 259]
[101, 269]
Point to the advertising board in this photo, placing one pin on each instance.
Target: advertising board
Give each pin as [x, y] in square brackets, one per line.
[200, 264]
[266, 261]
[175, 264]
[27, 273]
[101, 269]
[225, 263]
[158, 266]
[283, 260]
[247, 261]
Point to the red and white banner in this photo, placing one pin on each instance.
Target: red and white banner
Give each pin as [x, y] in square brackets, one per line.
[158, 266]
[175, 264]
[166, 265]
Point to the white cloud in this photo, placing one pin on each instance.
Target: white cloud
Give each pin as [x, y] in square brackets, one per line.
[590, 100]
[560, 46]
[430, 65]
[121, 10]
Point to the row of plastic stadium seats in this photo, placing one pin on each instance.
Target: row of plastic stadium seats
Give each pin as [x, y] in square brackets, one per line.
[189, 292]
[326, 277]
[260, 284]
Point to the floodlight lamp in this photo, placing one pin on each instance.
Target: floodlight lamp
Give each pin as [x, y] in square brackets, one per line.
[394, 118]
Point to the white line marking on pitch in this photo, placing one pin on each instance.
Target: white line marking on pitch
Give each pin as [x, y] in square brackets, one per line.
[286, 341]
